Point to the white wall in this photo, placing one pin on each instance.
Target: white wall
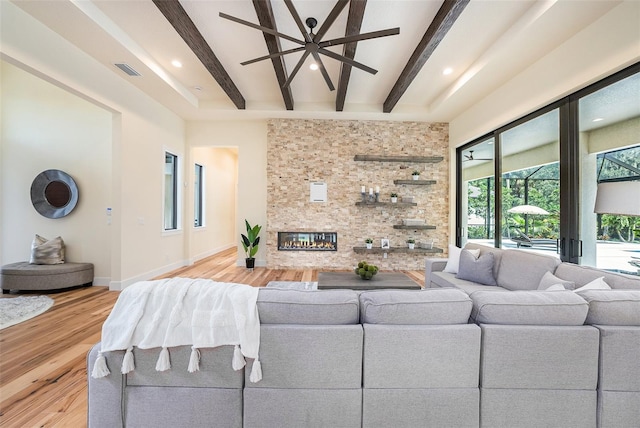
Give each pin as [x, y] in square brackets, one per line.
[221, 182]
[44, 128]
[608, 45]
[141, 130]
[250, 138]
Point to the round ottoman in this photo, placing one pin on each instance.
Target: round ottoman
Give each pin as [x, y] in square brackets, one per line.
[25, 276]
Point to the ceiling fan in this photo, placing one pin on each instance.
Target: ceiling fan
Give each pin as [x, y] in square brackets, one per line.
[470, 157]
[312, 43]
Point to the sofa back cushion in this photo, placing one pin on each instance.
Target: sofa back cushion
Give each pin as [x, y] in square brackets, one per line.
[523, 270]
[582, 275]
[433, 306]
[529, 308]
[613, 307]
[497, 254]
[325, 307]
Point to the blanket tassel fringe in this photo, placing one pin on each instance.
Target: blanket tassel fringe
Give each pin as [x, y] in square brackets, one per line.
[100, 368]
[164, 362]
[238, 360]
[128, 364]
[256, 372]
[194, 360]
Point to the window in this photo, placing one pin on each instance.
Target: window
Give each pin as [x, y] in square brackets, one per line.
[198, 197]
[170, 191]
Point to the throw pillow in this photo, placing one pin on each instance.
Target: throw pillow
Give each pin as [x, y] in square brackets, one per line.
[44, 252]
[596, 284]
[478, 270]
[453, 262]
[549, 279]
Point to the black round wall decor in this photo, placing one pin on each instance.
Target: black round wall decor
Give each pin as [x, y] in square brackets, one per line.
[54, 194]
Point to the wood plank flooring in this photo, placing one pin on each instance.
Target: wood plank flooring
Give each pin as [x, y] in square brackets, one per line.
[43, 377]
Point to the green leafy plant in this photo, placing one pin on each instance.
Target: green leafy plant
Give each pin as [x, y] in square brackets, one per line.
[369, 241]
[394, 195]
[415, 173]
[411, 241]
[365, 270]
[251, 240]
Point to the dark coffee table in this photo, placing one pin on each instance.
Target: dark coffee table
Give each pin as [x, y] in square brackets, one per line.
[337, 280]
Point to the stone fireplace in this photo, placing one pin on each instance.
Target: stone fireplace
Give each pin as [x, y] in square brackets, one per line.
[307, 241]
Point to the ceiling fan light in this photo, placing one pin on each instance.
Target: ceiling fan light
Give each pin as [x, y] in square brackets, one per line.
[313, 66]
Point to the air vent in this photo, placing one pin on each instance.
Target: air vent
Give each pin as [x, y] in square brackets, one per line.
[127, 69]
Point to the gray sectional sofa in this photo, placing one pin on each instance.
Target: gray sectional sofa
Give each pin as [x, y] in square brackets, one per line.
[438, 357]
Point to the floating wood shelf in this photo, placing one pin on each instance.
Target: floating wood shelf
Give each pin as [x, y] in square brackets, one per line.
[406, 227]
[415, 159]
[384, 204]
[378, 250]
[415, 182]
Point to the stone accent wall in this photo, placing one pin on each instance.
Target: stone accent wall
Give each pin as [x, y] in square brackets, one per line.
[303, 151]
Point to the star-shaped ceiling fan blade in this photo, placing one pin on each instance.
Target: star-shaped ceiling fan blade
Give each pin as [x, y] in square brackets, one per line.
[312, 44]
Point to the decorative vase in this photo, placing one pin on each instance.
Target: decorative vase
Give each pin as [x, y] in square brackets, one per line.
[412, 245]
[415, 177]
[394, 199]
[369, 245]
[250, 262]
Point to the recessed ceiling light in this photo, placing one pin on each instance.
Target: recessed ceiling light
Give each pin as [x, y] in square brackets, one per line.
[176, 63]
[447, 71]
[598, 119]
[313, 66]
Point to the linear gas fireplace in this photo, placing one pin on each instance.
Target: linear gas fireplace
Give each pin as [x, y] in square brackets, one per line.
[307, 241]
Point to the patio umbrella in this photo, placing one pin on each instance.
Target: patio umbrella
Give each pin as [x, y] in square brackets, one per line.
[527, 210]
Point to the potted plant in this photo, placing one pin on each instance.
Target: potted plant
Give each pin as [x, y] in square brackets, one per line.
[250, 243]
[394, 198]
[415, 175]
[412, 243]
[369, 243]
[366, 271]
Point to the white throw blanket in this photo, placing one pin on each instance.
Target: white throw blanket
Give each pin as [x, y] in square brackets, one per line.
[183, 311]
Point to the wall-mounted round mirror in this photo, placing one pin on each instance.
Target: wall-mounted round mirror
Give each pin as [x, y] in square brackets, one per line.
[54, 194]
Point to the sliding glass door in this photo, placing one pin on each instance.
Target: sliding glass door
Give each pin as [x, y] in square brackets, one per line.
[549, 165]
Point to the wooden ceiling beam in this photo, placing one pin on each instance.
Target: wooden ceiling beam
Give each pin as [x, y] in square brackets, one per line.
[184, 26]
[354, 22]
[442, 23]
[266, 19]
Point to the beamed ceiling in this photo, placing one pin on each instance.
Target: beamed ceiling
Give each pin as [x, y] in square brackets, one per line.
[484, 43]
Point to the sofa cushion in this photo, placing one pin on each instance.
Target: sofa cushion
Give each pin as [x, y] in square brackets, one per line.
[443, 279]
[453, 261]
[325, 307]
[529, 308]
[474, 269]
[433, 306]
[582, 275]
[497, 254]
[549, 279]
[613, 307]
[523, 270]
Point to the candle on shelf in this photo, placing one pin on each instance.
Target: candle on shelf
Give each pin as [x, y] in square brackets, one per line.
[371, 190]
[377, 189]
[362, 189]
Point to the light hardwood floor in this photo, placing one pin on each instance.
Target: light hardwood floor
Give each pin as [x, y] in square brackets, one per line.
[43, 377]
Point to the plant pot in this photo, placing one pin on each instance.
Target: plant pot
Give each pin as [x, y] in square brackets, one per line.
[412, 246]
[415, 177]
[394, 199]
[369, 245]
[250, 262]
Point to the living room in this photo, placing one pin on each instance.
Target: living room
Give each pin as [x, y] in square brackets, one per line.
[63, 109]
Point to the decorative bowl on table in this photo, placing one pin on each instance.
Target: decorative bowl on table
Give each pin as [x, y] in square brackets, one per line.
[365, 271]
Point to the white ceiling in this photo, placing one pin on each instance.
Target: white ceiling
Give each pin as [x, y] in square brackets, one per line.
[492, 41]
